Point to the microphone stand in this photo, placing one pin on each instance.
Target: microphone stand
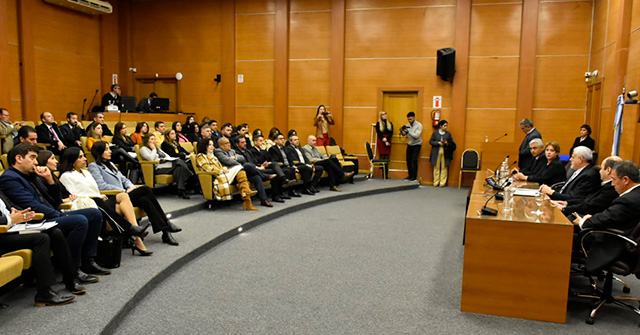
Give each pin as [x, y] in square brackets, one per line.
[496, 140]
[91, 104]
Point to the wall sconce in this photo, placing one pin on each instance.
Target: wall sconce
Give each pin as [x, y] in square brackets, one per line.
[631, 95]
[179, 75]
[218, 78]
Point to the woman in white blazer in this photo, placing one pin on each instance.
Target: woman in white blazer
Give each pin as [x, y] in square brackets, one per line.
[79, 181]
[108, 177]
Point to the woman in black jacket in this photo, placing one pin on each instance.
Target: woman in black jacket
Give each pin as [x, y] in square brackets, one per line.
[123, 141]
[584, 140]
[554, 171]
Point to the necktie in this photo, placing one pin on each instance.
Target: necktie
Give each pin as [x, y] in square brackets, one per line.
[284, 157]
[55, 137]
[568, 181]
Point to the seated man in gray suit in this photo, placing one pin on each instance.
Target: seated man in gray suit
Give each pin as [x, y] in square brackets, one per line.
[583, 181]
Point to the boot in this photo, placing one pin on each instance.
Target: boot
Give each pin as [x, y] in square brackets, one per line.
[245, 191]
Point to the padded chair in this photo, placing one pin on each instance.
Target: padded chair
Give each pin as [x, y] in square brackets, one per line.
[613, 252]
[373, 163]
[187, 146]
[344, 161]
[5, 161]
[469, 162]
[139, 212]
[148, 171]
[206, 181]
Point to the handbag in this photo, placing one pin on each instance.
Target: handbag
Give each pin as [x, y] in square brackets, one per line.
[109, 253]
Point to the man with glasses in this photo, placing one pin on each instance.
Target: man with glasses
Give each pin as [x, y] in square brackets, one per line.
[8, 129]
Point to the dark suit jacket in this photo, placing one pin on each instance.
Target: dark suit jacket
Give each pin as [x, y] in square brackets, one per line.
[8, 204]
[623, 214]
[582, 185]
[126, 144]
[550, 173]
[71, 135]
[292, 155]
[594, 203]
[538, 164]
[108, 97]
[276, 156]
[45, 136]
[17, 186]
[171, 151]
[588, 142]
[105, 129]
[144, 105]
[524, 156]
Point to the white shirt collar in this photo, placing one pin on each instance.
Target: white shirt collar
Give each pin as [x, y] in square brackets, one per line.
[629, 190]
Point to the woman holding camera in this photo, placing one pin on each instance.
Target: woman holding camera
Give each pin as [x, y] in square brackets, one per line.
[322, 120]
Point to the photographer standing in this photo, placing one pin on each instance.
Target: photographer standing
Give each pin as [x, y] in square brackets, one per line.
[442, 148]
[322, 120]
[413, 131]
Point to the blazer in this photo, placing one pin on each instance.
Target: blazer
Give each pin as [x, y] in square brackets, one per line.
[225, 157]
[258, 156]
[538, 164]
[171, 150]
[435, 147]
[81, 184]
[127, 144]
[292, 155]
[144, 105]
[585, 183]
[155, 155]
[623, 214]
[524, 155]
[19, 189]
[313, 154]
[108, 179]
[45, 135]
[550, 173]
[593, 203]
[276, 156]
[7, 204]
[588, 142]
[71, 135]
[8, 130]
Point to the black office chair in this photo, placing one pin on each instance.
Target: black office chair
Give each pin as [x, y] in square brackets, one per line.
[383, 163]
[469, 162]
[613, 252]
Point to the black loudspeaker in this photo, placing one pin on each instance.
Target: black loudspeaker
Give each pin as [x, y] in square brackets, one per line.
[446, 63]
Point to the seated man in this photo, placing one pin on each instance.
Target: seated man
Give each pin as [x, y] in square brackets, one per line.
[159, 134]
[215, 133]
[595, 202]
[332, 166]
[145, 103]
[537, 148]
[624, 211]
[72, 131]
[277, 154]
[23, 184]
[205, 133]
[285, 177]
[114, 97]
[42, 244]
[583, 181]
[27, 135]
[98, 117]
[228, 157]
[242, 130]
[311, 174]
[9, 129]
[49, 133]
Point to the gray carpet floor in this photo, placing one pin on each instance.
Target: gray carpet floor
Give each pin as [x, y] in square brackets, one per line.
[381, 264]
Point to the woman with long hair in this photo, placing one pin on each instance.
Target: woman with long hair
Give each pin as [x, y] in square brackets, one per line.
[189, 120]
[118, 209]
[129, 165]
[384, 129]
[77, 193]
[181, 174]
[321, 121]
[273, 133]
[142, 129]
[224, 176]
[109, 178]
[180, 135]
[193, 132]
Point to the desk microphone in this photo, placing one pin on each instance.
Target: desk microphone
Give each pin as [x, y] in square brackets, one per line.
[488, 210]
[505, 134]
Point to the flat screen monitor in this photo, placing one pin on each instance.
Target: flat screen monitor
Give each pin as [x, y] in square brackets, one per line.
[159, 105]
[129, 104]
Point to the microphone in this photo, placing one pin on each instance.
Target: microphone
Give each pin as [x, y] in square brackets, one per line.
[91, 104]
[498, 166]
[501, 136]
[82, 110]
[488, 210]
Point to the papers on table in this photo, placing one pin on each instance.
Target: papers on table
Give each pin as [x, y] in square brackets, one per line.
[32, 227]
[526, 192]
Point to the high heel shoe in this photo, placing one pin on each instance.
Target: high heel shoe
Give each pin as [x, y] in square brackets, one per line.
[142, 252]
[250, 194]
[140, 231]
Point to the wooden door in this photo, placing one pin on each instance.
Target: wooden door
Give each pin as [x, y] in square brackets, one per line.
[397, 105]
[163, 87]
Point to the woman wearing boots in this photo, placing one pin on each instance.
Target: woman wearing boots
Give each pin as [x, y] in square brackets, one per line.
[224, 176]
[109, 178]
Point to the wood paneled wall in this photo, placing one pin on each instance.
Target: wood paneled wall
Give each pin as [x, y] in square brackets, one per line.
[522, 59]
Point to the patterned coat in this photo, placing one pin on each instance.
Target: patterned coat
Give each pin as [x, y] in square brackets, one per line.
[222, 181]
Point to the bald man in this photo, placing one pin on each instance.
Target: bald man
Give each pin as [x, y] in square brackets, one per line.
[332, 166]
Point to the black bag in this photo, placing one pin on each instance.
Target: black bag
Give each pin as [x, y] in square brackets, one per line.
[109, 251]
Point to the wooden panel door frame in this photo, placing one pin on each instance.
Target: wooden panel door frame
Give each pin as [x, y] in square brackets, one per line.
[178, 102]
[383, 90]
[594, 102]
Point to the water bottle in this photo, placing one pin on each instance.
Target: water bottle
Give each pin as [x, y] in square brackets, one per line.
[507, 203]
[504, 171]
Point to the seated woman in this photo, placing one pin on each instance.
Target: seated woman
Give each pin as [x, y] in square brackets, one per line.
[553, 172]
[180, 135]
[193, 132]
[109, 178]
[78, 180]
[129, 166]
[142, 129]
[188, 121]
[77, 193]
[273, 133]
[172, 147]
[177, 167]
[224, 176]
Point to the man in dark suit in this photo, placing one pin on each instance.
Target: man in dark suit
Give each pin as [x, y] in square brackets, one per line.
[113, 98]
[41, 244]
[536, 147]
[594, 202]
[72, 131]
[29, 185]
[267, 174]
[278, 155]
[311, 174]
[525, 159]
[98, 117]
[583, 181]
[49, 133]
[284, 177]
[145, 103]
[624, 212]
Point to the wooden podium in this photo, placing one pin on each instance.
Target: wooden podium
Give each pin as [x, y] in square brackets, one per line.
[492, 154]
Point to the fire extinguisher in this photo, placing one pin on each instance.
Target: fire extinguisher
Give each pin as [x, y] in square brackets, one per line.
[435, 118]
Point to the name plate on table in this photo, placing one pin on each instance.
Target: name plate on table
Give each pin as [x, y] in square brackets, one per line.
[526, 192]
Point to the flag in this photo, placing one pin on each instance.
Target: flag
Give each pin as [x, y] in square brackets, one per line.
[617, 126]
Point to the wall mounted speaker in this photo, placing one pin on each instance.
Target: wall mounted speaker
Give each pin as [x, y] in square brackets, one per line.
[446, 67]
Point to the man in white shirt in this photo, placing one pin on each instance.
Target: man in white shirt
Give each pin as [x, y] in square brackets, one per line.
[413, 131]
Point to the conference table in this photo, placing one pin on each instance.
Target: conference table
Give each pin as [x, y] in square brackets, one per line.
[516, 264]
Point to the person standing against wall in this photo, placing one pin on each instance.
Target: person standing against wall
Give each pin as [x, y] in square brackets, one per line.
[413, 131]
[442, 148]
[384, 129]
[322, 120]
